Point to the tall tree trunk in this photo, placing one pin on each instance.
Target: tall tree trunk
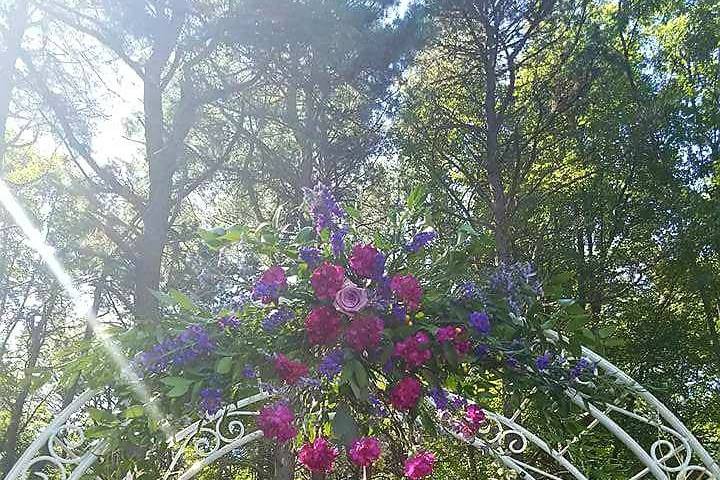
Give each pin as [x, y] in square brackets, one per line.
[161, 160]
[16, 29]
[37, 338]
[492, 158]
[712, 316]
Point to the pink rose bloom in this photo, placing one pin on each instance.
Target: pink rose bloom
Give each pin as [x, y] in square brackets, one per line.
[367, 261]
[364, 451]
[407, 289]
[419, 466]
[414, 350]
[327, 280]
[351, 299]
[318, 456]
[288, 370]
[406, 393]
[276, 422]
[364, 333]
[323, 326]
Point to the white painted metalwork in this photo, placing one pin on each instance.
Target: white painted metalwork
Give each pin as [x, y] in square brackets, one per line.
[675, 455]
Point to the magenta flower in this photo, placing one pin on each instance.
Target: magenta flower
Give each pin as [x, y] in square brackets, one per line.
[288, 370]
[364, 451]
[419, 465]
[447, 334]
[474, 418]
[405, 393]
[364, 333]
[268, 287]
[276, 422]
[322, 326]
[407, 289]
[367, 261]
[414, 350]
[318, 456]
[327, 280]
[351, 299]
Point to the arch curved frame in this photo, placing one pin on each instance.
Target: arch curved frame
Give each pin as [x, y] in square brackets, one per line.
[676, 454]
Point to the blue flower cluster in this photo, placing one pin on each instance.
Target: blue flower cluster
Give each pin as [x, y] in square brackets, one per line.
[210, 400]
[580, 367]
[440, 398]
[480, 321]
[543, 362]
[469, 291]
[420, 240]
[229, 321]
[324, 208]
[310, 255]
[276, 319]
[518, 283]
[191, 343]
[331, 365]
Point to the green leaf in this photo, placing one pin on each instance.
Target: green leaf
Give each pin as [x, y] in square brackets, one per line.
[134, 412]
[102, 416]
[179, 386]
[344, 425]
[416, 197]
[182, 300]
[224, 365]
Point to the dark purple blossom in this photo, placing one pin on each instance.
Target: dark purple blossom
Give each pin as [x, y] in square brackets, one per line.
[337, 241]
[310, 255]
[210, 400]
[469, 291]
[229, 321]
[378, 407]
[582, 365]
[249, 372]
[325, 210]
[191, 343]
[331, 365]
[543, 362]
[399, 313]
[512, 362]
[480, 321]
[276, 319]
[420, 240]
[440, 397]
[481, 351]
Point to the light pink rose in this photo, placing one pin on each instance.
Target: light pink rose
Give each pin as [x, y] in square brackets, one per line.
[351, 299]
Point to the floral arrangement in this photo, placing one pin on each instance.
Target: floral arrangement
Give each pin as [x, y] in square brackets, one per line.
[341, 330]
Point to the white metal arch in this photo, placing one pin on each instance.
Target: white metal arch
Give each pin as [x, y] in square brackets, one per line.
[675, 455]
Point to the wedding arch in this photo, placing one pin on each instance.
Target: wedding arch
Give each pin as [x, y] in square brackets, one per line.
[373, 328]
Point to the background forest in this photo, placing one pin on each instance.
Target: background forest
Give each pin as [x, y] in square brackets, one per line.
[582, 136]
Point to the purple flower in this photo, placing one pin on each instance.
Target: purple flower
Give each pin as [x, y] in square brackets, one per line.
[420, 240]
[480, 321]
[310, 255]
[337, 241]
[331, 365]
[324, 208]
[191, 343]
[229, 321]
[457, 403]
[399, 313]
[440, 398]
[469, 291]
[210, 400]
[512, 362]
[378, 407]
[518, 283]
[276, 319]
[580, 367]
[249, 372]
[482, 351]
[542, 362]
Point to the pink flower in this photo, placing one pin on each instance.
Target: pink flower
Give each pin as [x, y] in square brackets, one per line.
[447, 334]
[288, 370]
[367, 261]
[323, 326]
[364, 333]
[327, 280]
[406, 393]
[364, 451]
[351, 299]
[318, 456]
[276, 420]
[419, 466]
[474, 417]
[407, 289]
[270, 284]
[462, 347]
[414, 350]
